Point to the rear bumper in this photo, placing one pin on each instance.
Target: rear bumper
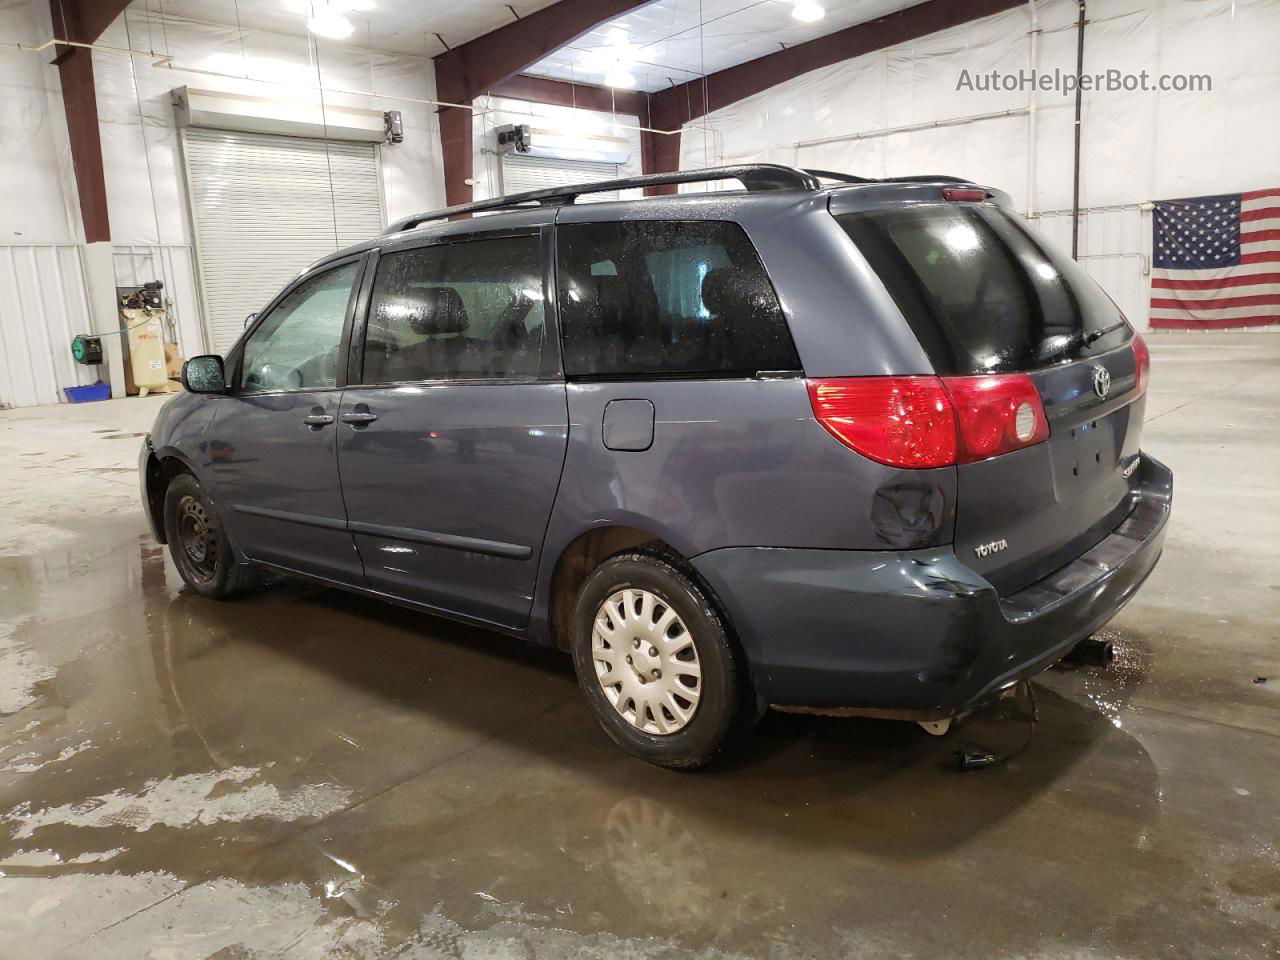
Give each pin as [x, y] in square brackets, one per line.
[917, 632]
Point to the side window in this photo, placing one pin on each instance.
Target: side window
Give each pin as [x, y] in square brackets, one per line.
[645, 298]
[469, 310]
[296, 347]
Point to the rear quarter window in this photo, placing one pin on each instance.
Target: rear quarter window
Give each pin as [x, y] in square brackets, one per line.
[667, 298]
[981, 292]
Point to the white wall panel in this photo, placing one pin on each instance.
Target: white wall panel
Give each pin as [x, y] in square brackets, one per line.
[42, 307]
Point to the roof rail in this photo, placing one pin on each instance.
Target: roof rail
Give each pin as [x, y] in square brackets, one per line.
[927, 178]
[754, 176]
[842, 177]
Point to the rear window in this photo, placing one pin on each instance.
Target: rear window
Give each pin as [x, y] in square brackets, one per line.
[662, 298]
[982, 294]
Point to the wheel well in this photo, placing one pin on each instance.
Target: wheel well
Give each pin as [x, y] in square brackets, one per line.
[160, 473]
[582, 556]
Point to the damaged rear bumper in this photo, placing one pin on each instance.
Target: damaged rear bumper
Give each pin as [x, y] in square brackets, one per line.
[917, 633]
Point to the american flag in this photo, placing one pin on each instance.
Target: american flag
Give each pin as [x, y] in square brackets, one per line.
[1217, 261]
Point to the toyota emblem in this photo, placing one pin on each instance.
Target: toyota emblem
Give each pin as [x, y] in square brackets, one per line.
[1101, 381]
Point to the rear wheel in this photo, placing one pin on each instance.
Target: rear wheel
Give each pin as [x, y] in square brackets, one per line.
[655, 662]
[199, 548]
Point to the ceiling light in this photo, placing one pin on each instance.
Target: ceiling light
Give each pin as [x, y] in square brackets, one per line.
[620, 79]
[326, 23]
[328, 18]
[808, 11]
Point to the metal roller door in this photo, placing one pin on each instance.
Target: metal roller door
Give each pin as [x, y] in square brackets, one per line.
[537, 173]
[264, 207]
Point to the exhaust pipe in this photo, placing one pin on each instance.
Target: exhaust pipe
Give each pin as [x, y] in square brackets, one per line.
[1092, 652]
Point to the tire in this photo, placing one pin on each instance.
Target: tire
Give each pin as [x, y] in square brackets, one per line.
[678, 706]
[199, 549]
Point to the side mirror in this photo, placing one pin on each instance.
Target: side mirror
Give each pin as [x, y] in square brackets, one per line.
[204, 374]
[248, 321]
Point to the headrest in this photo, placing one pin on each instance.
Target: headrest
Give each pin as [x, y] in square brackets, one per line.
[726, 290]
[716, 290]
[441, 311]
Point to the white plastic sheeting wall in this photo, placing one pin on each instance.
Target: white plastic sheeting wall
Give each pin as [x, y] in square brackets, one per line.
[39, 202]
[42, 306]
[1137, 146]
[141, 157]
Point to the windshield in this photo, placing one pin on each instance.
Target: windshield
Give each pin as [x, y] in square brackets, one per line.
[981, 292]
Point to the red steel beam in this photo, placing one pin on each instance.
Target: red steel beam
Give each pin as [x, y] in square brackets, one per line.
[678, 105]
[472, 68]
[83, 21]
[566, 94]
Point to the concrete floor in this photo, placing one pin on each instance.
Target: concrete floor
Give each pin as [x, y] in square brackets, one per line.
[307, 774]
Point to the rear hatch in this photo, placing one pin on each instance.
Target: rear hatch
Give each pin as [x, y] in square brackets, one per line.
[986, 297]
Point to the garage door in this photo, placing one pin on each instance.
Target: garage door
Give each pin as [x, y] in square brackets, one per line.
[264, 207]
[537, 173]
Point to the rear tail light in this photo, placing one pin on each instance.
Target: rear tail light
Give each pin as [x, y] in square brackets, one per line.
[996, 414]
[902, 421]
[1141, 363]
[922, 422]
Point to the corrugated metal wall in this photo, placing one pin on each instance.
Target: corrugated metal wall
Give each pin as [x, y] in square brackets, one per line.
[42, 306]
[1115, 247]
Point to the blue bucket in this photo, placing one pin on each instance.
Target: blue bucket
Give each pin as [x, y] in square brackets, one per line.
[97, 391]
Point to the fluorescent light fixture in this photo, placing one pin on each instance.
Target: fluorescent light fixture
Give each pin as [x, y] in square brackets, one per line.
[329, 24]
[614, 58]
[328, 18]
[620, 79]
[808, 11]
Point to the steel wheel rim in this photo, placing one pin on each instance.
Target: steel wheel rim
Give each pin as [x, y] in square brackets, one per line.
[646, 661]
[197, 538]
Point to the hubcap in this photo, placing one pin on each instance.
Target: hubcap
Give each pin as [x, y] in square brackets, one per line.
[198, 538]
[646, 661]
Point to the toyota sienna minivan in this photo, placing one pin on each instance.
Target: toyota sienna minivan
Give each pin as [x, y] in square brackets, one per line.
[822, 443]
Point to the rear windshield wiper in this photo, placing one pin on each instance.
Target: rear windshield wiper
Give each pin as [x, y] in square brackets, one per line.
[1092, 338]
[1083, 340]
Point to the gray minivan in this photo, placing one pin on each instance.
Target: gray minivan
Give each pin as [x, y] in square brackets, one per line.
[823, 443]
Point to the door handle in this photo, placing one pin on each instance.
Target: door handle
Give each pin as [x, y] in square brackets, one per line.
[359, 418]
[317, 420]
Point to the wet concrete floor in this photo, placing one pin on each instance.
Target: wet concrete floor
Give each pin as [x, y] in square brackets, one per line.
[305, 773]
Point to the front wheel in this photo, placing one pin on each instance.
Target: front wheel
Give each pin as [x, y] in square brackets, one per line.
[656, 663]
[197, 544]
